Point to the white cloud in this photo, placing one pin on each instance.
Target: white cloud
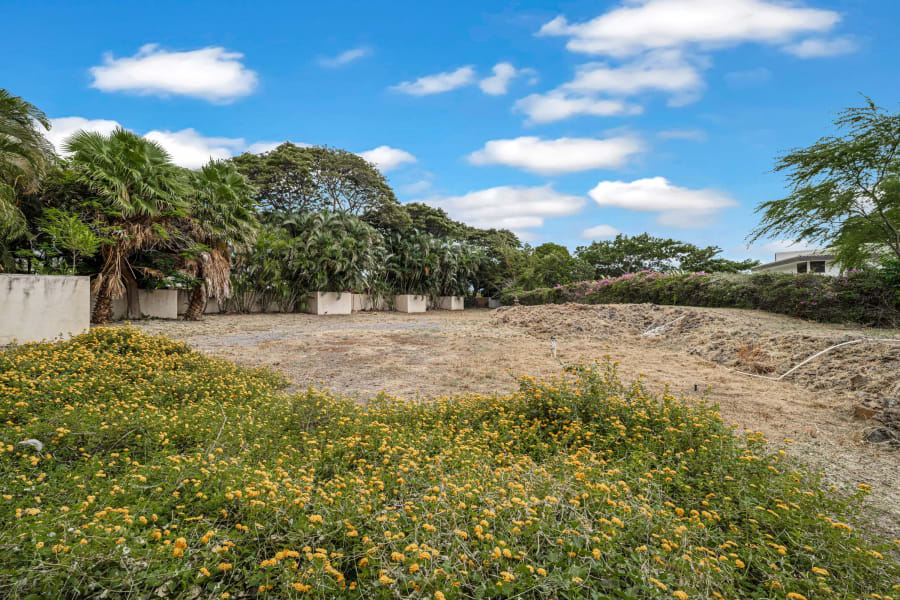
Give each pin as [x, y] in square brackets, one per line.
[212, 73]
[504, 73]
[63, 128]
[693, 135]
[345, 57]
[517, 208]
[748, 77]
[677, 206]
[821, 47]
[662, 70]
[640, 25]
[557, 105]
[563, 155]
[600, 232]
[263, 147]
[187, 147]
[193, 150]
[387, 158]
[437, 83]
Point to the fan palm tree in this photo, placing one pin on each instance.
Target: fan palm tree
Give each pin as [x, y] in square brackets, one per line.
[140, 192]
[24, 154]
[222, 215]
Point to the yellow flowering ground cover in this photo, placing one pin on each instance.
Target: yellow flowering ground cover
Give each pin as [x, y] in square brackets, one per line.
[164, 473]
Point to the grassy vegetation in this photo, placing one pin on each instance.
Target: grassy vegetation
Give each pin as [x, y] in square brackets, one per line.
[165, 473]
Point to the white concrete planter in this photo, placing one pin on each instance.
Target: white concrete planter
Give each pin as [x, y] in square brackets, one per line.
[155, 304]
[450, 302]
[329, 303]
[410, 303]
[364, 302]
[494, 303]
[43, 307]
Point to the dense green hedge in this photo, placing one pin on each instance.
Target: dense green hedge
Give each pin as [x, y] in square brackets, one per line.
[867, 296]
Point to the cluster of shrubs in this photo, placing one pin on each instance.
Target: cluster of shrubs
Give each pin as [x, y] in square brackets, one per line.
[870, 296]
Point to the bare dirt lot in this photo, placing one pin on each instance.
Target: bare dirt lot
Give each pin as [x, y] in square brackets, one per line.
[694, 351]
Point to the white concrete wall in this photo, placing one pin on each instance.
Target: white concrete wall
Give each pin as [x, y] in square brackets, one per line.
[409, 303]
[831, 268]
[450, 302]
[184, 298]
[329, 303]
[37, 307]
[155, 304]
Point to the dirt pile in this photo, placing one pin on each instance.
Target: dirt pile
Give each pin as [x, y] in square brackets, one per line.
[868, 372]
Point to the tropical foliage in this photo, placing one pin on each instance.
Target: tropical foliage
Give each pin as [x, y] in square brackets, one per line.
[204, 481]
[24, 155]
[862, 296]
[845, 191]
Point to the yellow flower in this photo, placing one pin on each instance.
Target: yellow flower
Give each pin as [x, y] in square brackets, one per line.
[680, 595]
[224, 566]
[739, 563]
[439, 596]
[820, 571]
[795, 596]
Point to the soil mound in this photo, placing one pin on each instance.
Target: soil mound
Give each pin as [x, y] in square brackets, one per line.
[868, 371]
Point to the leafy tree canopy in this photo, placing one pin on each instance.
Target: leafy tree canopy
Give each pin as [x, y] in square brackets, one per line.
[302, 179]
[844, 190]
[627, 254]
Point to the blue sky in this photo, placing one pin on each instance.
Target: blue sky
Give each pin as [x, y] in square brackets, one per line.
[564, 121]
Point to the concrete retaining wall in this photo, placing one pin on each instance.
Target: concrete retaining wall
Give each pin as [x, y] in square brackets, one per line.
[38, 307]
[155, 304]
[184, 298]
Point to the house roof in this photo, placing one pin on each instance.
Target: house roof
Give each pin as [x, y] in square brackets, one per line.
[794, 259]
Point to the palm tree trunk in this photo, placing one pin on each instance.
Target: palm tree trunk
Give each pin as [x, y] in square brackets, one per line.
[133, 310]
[103, 306]
[197, 304]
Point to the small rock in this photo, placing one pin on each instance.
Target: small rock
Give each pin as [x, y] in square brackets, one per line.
[879, 435]
[863, 413]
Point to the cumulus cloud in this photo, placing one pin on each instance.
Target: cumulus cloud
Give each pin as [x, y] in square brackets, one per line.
[63, 128]
[498, 83]
[676, 206]
[820, 47]
[387, 158]
[663, 70]
[600, 232]
[190, 149]
[518, 208]
[557, 105]
[437, 83]
[212, 73]
[640, 25]
[345, 57]
[187, 147]
[562, 155]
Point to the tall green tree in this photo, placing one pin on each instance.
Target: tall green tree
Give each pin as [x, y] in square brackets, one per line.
[24, 155]
[140, 196]
[629, 254]
[292, 178]
[221, 216]
[844, 190]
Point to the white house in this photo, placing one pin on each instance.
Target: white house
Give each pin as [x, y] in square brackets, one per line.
[801, 261]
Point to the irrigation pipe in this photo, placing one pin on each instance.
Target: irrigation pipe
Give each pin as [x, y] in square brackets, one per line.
[817, 354]
[654, 331]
